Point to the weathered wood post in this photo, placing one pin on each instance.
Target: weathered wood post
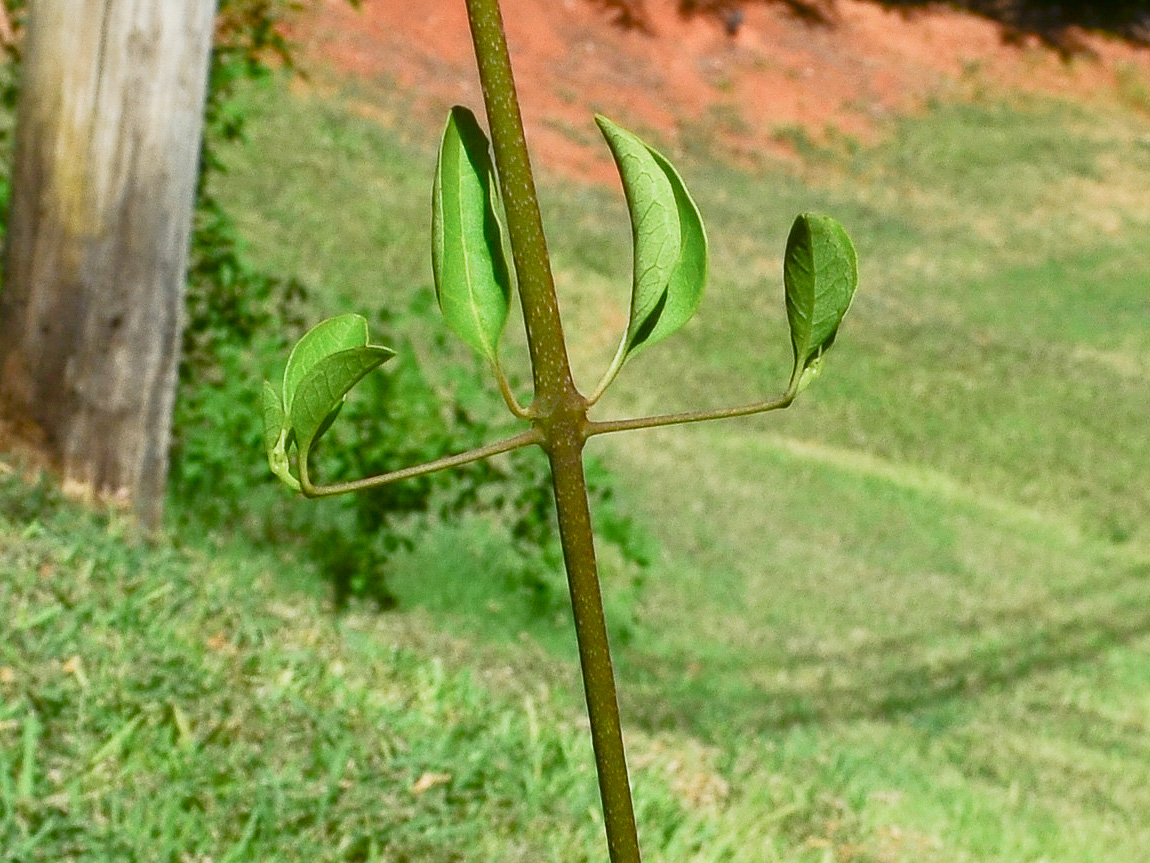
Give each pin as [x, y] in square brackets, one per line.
[109, 126]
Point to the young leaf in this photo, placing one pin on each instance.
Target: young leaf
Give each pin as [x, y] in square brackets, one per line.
[327, 362]
[820, 274]
[274, 417]
[654, 222]
[320, 394]
[670, 244]
[276, 435]
[685, 288]
[327, 337]
[472, 279]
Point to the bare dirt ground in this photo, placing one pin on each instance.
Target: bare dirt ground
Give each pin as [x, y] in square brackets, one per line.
[777, 74]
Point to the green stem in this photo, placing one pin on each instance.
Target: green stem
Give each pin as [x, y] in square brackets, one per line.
[559, 411]
[609, 375]
[527, 438]
[549, 364]
[575, 532]
[607, 426]
[508, 395]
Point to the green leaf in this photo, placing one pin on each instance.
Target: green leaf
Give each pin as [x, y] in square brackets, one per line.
[324, 365]
[472, 278]
[685, 288]
[670, 244]
[320, 394]
[325, 338]
[276, 435]
[654, 223]
[274, 416]
[820, 274]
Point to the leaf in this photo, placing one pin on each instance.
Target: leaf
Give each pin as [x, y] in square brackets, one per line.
[276, 435]
[670, 244]
[321, 393]
[820, 274]
[685, 289]
[324, 365]
[472, 278]
[325, 338]
[654, 222]
[274, 416]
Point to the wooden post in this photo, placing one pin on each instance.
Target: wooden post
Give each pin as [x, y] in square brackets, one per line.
[109, 127]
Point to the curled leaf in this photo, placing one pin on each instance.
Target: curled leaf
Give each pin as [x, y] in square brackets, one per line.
[689, 276]
[670, 244]
[472, 277]
[274, 415]
[321, 393]
[276, 435]
[323, 367]
[327, 337]
[820, 274]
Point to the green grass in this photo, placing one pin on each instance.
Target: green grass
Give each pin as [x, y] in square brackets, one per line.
[906, 620]
[160, 702]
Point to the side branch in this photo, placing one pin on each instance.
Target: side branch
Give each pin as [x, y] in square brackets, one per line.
[527, 438]
[608, 426]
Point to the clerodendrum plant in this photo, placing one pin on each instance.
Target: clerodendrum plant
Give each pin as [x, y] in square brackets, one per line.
[482, 205]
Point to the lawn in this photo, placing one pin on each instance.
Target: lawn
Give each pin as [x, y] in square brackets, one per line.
[906, 620]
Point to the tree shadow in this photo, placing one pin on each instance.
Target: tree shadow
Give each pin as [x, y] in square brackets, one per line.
[1059, 26]
[815, 12]
[627, 14]
[893, 677]
[632, 14]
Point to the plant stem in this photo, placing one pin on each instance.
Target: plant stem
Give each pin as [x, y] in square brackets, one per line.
[527, 438]
[508, 395]
[549, 364]
[594, 650]
[607, 426]
[559, 411]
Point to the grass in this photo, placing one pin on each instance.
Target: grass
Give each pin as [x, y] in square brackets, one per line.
[160, 702]
[906, 620]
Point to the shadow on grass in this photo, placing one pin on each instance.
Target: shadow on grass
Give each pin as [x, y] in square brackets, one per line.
[1057, 25]
[889, 678]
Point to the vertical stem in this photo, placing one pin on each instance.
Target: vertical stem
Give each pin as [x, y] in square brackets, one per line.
[560, 412]
[549, 363]
[594, 650]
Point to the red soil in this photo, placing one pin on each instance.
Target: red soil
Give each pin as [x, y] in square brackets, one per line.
[777, 74]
